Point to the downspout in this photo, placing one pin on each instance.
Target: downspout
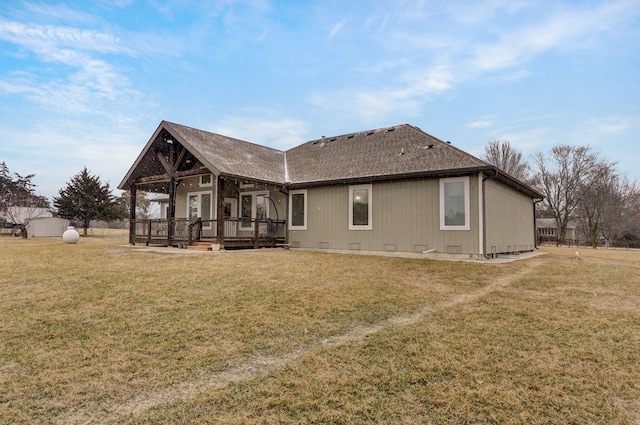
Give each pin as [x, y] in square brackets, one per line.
[484, 207]
[535, 230]
[481, 228]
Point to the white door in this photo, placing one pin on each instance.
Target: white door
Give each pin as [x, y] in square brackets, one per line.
[199, 205]
[253, 205]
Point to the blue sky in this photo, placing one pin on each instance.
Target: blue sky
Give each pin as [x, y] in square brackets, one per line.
[86, 83]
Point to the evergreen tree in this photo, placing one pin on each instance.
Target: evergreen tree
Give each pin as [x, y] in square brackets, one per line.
[86, 198]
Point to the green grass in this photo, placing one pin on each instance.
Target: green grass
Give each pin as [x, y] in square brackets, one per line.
[99, 333]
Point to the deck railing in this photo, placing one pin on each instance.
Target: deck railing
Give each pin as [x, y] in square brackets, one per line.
[237, 231]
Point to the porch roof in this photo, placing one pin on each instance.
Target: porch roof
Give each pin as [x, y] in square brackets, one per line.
[229, 156]
[219, 154]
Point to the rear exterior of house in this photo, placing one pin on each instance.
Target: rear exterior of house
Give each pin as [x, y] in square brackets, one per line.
[394, 189]
[411, 216]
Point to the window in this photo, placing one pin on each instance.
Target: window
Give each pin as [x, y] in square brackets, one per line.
[454, 204]
[206, 180]
[360, 207]
[298, 210]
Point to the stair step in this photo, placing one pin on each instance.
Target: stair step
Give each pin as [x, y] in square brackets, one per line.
[199, 247]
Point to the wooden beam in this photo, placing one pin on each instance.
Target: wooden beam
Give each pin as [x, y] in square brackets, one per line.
[168, 167]
[132, 214]
[172, 209]
[164, 178]
[179, 160]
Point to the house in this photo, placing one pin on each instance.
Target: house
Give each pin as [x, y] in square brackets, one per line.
[548, 232]
[390, 189]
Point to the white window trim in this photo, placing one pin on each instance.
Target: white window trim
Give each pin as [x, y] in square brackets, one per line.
[306, 202]
[369, 226]
[467, 209]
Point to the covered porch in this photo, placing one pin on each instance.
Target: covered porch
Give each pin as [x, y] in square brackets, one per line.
[207, 199]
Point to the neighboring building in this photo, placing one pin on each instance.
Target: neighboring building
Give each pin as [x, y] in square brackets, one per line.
[548, 232]
[22, 215]
[390, 189]
[47, 227]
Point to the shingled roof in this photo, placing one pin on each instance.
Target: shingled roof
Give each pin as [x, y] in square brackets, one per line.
[229, 156]
[401, 151]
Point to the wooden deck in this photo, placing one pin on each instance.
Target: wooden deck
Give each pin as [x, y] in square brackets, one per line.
[238, 233]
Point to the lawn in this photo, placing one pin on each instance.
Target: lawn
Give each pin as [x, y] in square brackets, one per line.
[100, 333]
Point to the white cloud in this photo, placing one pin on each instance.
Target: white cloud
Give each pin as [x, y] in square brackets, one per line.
[336, 28]
[59, 11]
[374, 104]
[263, 127]
[480, 124]
[79, 81]
[567, 28]
[46, 40]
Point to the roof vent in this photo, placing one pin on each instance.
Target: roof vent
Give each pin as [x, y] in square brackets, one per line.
[390, 129]
[448, 142]
[429, 147]
[350, 136]
[369, 133]
[332, 139]
[401, 152]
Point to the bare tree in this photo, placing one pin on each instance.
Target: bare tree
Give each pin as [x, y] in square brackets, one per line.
[562, 179]
[600, 201]
[143, 204]
[624, 228]
[19, 204]
[507, 158]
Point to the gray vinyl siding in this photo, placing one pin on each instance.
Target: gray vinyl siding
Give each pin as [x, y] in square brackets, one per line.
[406, 218]
[509, 219]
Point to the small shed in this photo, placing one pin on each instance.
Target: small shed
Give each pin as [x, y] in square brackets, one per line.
[47, 226]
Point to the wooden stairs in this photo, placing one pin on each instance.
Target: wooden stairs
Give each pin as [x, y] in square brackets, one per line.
[202, 245]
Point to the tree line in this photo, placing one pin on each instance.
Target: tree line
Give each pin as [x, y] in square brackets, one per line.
[579, 185]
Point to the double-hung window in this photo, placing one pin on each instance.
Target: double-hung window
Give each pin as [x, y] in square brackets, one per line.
[360, 207]
[298, 210]
[454, 204]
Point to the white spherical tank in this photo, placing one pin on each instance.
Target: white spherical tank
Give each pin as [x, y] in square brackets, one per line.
[70, 235]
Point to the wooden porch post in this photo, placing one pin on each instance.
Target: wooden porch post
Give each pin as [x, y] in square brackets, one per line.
[132, 214]
[171, 170]
[220, 212]
[172, 209]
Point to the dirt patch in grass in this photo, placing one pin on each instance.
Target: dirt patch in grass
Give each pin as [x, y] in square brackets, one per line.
[97, 333]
